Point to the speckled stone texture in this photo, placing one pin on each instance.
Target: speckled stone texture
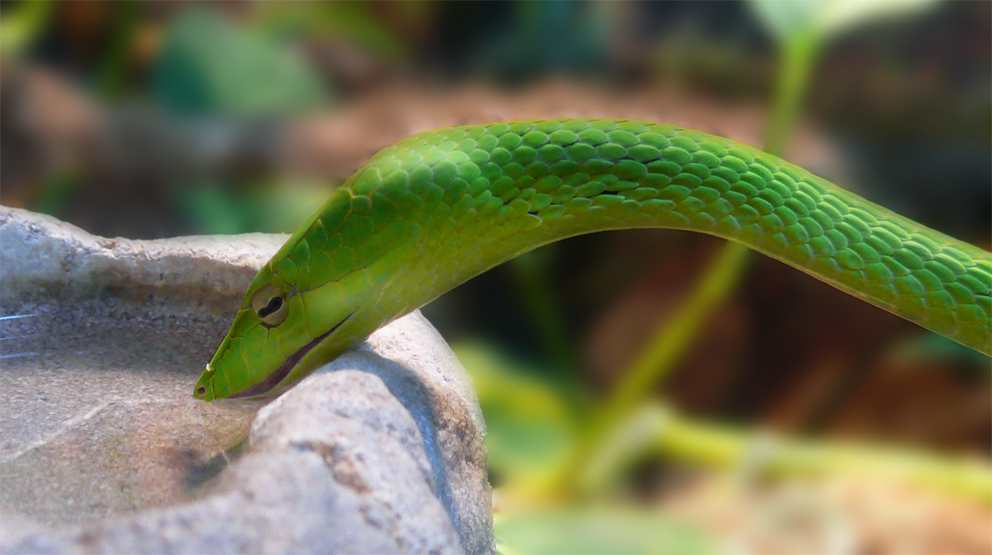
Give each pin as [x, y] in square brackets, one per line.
[103, 450]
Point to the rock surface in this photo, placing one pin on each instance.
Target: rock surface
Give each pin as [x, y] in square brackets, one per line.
[102, 449]
[44, 258]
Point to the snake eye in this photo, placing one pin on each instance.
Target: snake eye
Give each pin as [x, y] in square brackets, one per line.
[270, 304]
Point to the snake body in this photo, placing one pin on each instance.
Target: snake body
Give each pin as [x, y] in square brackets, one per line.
[438, 208]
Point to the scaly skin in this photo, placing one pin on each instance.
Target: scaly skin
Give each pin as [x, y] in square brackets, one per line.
[439, 208]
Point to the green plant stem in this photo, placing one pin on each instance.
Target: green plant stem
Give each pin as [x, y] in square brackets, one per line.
[665, 348]
[689, 441]
[21, 24]
[671, 340]
[725, 448]
[799, 53]
[112, 73]
[529, 271]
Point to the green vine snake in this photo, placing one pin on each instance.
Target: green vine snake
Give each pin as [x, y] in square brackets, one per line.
[436, 209]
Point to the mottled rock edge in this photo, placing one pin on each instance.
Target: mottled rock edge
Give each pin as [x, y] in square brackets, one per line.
[382, 450]
[42, 257]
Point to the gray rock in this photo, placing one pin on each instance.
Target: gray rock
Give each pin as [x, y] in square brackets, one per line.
[43, 258]
[102, 449]
[394, 405]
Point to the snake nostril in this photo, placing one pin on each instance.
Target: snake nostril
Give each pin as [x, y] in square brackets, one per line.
[201, 390]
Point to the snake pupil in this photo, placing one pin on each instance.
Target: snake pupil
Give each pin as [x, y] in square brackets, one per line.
[274, 304]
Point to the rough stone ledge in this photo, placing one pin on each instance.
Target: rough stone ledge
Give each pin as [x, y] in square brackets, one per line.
[380, 451]
[43, 257]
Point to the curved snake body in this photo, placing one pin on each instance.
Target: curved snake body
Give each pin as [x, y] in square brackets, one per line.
[436, 209]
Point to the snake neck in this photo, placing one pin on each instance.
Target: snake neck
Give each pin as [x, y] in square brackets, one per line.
[441, 207]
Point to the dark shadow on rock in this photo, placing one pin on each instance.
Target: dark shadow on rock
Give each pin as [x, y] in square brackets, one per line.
[200, 472]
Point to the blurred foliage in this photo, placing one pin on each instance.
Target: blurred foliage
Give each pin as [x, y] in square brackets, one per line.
[534, 425]
[549, 436]
[530, 272]
[348, 20]
[209, 66]
[548, 37]
[672, 339]
[935, 347]
[219, 210]
[567, 456]
[601, 530]
[57, 190]
[21, 25]
[824, 18]
[803, 29]
[112, 74]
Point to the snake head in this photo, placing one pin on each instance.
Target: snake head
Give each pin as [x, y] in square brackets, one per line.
[319, 295]
[278, 336]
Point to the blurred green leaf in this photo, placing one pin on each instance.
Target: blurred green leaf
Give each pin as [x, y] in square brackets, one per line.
[209, 66]
[600, 529]
[803, 27]
[21, 25]
[788, 18]
[57, 191]
[112, 74]
[547, 37]
[212, 210]
[350, 20]
[937, 348]
[280, 207]
[284, 205]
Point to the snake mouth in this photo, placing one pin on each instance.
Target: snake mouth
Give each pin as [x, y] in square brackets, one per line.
[273, 380]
